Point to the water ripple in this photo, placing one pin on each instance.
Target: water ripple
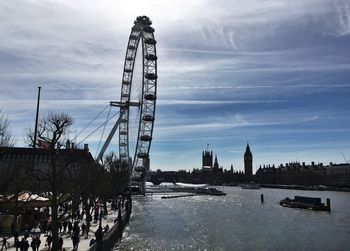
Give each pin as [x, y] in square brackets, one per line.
[237, 222]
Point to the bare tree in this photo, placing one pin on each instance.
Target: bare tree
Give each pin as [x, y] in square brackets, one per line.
[118, 174]
[5, 137]
[52, 131]
[92, 185]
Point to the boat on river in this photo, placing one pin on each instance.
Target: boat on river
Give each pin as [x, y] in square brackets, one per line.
[209, 191]
[302, 202]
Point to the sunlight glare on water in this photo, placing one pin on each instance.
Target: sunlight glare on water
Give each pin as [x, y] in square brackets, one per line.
[238, 221]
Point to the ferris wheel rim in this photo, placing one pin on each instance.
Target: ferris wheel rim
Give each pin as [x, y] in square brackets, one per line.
[144, 33]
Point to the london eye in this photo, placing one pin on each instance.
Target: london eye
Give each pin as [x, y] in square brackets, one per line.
[137, 100]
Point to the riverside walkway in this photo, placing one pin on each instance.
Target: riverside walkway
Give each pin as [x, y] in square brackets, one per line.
[109, 219]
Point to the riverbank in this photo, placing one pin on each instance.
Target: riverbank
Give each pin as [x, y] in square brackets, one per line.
[112, 220]
[310, 188]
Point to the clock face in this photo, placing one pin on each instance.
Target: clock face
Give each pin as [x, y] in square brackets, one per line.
[248, 158]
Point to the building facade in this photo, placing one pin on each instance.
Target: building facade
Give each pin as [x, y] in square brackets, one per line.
[34, 166]
[207, 159]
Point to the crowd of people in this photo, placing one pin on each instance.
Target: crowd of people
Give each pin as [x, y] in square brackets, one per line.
[70, 227]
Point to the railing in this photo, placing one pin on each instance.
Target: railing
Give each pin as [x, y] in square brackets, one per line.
[113, 235]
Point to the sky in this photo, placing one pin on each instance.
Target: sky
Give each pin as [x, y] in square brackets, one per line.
[271, 73]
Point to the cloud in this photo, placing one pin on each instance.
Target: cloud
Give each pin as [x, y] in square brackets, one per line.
[214, 102]
[228, 70]
[343, 17]
[217, 124]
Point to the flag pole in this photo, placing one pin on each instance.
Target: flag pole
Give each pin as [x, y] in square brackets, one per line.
[36, 119]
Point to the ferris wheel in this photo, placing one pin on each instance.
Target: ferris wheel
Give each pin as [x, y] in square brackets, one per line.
[137, 99]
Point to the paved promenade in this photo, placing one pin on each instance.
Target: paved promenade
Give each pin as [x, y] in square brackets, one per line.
[67, 241]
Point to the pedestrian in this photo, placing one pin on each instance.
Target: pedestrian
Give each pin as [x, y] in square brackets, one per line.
[106, 228]
[33, 244]
[123, 200]
[75, 240]
[76, 228]
[49, 228]
[59, 226]
[82, 214]
[92, 242]
[26, 234]
[25, 245]
[47, 211]
[60, 243]
[99, 234]
[87, 230]
[65, 226]
[21, 244]
[49, 241]
[78, 215]
[83, 228]
[4, 243]
[15, 236]
[70, 227]
[96, 216]
[38, 242]
[119, 205]
[43, 226]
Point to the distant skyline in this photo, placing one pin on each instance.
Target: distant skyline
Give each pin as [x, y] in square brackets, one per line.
[274, 73]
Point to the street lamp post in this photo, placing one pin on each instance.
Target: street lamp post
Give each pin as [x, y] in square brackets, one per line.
[100, 224]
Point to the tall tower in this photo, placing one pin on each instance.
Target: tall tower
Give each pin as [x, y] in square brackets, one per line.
[207, 159]
[216, 163]
[248, 161]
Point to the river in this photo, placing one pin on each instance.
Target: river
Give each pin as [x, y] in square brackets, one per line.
[238, 221]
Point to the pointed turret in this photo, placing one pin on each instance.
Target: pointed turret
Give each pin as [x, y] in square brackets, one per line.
[216, 164]
[247, 149]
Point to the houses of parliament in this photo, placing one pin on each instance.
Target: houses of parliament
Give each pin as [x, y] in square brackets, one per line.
[210, 172]
[209, 167]
[293, 173]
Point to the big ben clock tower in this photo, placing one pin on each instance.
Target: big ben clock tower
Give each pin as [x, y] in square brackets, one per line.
[248, 161]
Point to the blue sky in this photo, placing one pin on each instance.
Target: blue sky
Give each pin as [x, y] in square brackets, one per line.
[274, 73]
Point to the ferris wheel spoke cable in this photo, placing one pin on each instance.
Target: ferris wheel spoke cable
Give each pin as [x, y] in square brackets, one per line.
[75, 138]
[103, 131]
[99, 127]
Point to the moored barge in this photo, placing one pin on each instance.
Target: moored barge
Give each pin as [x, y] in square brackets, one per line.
[310, 203]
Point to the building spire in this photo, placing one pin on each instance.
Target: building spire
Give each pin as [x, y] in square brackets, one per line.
[216, 164]
[247, 149]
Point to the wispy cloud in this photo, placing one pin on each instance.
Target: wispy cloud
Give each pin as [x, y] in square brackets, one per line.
[228, 70]
[343, 17]
[214, 102]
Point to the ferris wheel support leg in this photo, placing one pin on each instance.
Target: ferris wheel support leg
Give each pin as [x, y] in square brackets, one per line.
[110, 136]
[145, 177]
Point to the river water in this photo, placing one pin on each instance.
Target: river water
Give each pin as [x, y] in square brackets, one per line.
[238, 221]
